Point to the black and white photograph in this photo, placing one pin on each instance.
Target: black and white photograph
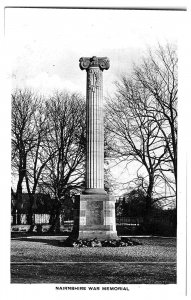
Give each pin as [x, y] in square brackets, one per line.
[97, 199]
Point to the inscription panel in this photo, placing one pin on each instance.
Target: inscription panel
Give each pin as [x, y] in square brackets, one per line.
[94, 213]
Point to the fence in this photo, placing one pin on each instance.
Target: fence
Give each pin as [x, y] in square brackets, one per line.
[45, 219]
[21, 219]
[42, 219]
[19, 222]
[125, 225]
[128, 221]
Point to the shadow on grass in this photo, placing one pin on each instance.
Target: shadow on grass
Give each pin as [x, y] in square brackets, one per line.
[49, 241]
[63, 242]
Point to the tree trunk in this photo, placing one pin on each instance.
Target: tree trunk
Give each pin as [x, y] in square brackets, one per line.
[30, 219]
[19, 201]
[55, 222]
[13, 206]
[30, 215]
[148, 205]
[14, 216]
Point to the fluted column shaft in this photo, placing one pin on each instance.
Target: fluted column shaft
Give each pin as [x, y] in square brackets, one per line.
[95, 135]
[94, 123]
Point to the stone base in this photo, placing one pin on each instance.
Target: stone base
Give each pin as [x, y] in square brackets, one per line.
[94, 217]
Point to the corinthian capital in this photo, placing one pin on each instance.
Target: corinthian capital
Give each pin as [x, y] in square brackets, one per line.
[90, 62]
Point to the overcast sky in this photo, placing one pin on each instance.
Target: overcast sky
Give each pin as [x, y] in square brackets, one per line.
[45, 45]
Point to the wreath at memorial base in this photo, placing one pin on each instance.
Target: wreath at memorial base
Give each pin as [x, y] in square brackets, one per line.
[123, 242]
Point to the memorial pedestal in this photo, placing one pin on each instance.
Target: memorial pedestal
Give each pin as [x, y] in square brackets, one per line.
[94, 217]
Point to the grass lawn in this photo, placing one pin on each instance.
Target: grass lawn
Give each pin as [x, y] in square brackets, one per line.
[42, 260]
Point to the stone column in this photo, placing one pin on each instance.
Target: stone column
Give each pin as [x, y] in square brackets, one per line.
[94, 123]
[94, 209]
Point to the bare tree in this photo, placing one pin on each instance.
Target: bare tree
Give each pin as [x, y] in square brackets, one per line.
[65, 146]
[24, 107]
[142, 121]
[37, 157]
[135, 137]
[158, 76]
[48, 145]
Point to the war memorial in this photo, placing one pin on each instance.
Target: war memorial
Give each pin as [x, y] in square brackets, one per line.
[95, 209]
